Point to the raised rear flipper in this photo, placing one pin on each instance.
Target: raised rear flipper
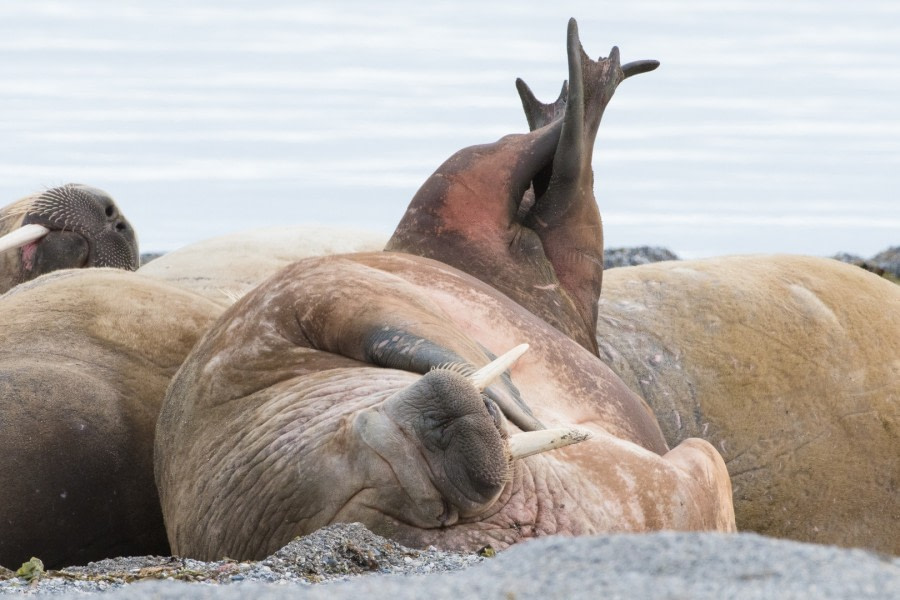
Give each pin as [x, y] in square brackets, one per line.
[473, 212]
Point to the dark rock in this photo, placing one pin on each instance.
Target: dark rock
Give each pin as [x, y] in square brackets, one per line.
[853, 259]
[884, 264]
[148, 256]
[888, 260]
[846, 257]
[639, 255]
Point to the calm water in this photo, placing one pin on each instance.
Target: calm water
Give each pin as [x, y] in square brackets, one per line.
[771, 126]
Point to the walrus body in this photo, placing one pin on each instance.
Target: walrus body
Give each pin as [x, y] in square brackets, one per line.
[356, 388]
[77, 226]
[790, 367]
[267, 430]
[84, 365]
[85, 359]
[223, 269]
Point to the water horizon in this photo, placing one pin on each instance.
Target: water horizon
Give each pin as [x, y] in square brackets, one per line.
[769, 127]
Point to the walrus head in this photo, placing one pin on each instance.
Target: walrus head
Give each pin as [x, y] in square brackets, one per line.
[70, 226]
[460, 434]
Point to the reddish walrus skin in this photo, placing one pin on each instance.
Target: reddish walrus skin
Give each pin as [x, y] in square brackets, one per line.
[355, 387]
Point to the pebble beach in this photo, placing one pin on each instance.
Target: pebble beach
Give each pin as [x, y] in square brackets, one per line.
[348, 561]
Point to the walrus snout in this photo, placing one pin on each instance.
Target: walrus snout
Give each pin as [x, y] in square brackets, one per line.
[114, 218]
[66, 227]
[93, 214]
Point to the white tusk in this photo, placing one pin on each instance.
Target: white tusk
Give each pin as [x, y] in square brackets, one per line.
[21, 236]
[534, 442]
[486, 375]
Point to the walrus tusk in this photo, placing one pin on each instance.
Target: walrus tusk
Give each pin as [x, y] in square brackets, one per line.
[21, 236]
[534, 442]
[486, 375]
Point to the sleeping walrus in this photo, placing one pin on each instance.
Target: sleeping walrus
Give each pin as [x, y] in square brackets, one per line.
[65, 227]
[224, 268]
[85, 358]
[790, 367]
[365, 387]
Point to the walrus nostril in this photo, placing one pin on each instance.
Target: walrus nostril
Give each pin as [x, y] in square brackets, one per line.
[121, 226]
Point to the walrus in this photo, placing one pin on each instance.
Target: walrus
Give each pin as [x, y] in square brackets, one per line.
[539, 241]
[398, 391]
[790, 367]
[71, 496]
[70, 226]
[224, 268]
[85, 359]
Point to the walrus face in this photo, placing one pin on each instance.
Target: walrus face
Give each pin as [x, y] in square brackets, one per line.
[343, 443]
[66, 227]
[461, 449]
[444, 449]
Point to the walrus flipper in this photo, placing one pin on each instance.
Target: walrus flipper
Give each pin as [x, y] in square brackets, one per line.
[401, 331]
[520, 214]
[466, 215]
[565, 214]
[538, 113]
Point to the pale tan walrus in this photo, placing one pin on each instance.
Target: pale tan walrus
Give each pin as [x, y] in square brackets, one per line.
[363, 387]
[790, 367]
[85, 358]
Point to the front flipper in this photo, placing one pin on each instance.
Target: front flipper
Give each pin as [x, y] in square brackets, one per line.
[476, 211]
[385, 321]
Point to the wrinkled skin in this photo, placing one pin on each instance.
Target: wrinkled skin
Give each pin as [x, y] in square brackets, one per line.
[337, 390]
[295, 411]
[85, 359]
[87, 229]
[520, 214]
[790, 367]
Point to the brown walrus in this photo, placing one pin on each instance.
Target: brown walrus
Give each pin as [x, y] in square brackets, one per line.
[78, 495]
[85, 359]
[790, 367]
[70, 226]
[362, 387]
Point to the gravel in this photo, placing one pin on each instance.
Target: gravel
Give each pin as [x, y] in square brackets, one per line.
[348, 561]
[336, 552]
